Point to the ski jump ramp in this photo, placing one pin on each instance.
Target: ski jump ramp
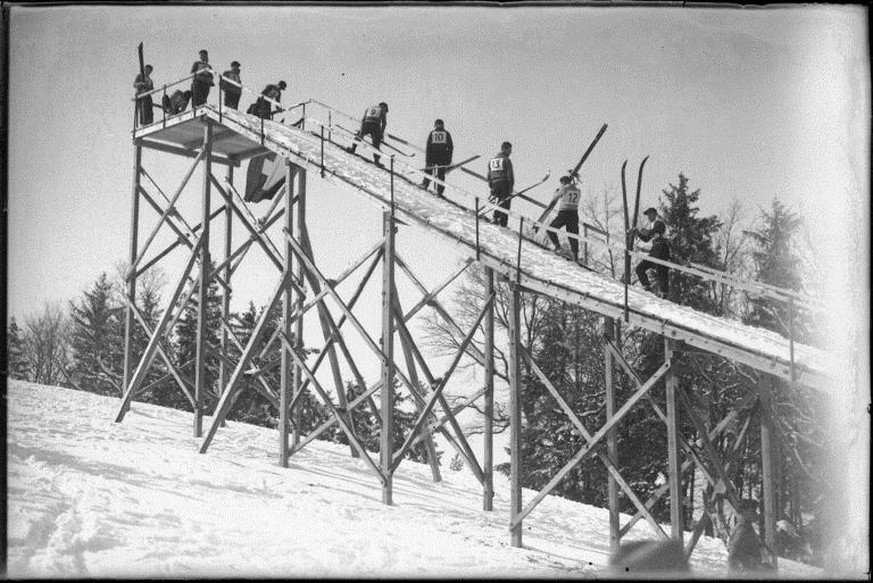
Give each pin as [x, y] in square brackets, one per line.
[541, 270]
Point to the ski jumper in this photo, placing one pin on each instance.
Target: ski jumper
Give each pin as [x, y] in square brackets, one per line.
[438, 155]
[232, 93]
[144, 103]
[201, 83]
[660, 250]
[568, 216]
[501, 180]
[372, 124]
[263, 108]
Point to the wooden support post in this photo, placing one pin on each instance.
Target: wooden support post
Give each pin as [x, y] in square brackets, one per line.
[285, 374]
[612, 436]
[515, 414]
[488, 455]
[225, 298]
[386, 443]
[298, 325]
[131, 275]
[202, 308]
[674, 461]
[768, 460]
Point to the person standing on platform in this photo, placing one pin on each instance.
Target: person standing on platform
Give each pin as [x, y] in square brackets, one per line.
[660, 250]
[202, 80]
[232, 93]
[438, 155]
[501, 179]
[144, 84]
[568, 215]
[373, 124]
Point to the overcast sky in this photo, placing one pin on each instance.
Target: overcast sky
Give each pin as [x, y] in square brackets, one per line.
[750, 104]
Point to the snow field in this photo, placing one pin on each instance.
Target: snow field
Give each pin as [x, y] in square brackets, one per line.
[91, 498]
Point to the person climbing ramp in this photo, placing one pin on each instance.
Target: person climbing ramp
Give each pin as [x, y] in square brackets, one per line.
[438, 155]
[373, 124]
[568, 215]
[660, 250]
[501, 179]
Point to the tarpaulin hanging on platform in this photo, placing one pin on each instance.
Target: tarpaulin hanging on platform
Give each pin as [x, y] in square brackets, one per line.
[265, 177]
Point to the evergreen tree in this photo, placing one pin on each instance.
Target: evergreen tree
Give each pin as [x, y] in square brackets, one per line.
[804, 487]
[97, 340]
[17, 367]
[691, 241]
[775, 263]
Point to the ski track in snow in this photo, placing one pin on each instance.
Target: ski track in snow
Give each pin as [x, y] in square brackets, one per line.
[91, 498]
[543, 264]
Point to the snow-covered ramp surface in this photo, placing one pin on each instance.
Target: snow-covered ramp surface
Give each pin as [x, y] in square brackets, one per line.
[541, 269]
[92, 498]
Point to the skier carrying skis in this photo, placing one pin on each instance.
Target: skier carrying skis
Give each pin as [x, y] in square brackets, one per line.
[438, 155]
[660, 250]
[373, 124]
[143, 84]
[568, 215]
[501, 180]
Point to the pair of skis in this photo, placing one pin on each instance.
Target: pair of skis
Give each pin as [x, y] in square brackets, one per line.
[574, 173]
[628, 226]
[630, 232]
[384, 143]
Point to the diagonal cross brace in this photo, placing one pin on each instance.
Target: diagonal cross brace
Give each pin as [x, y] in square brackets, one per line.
[587, 437]
[225, 402]
[461, 445]
[595, 440]
[347, 429]
[398, 457]
[151, 347]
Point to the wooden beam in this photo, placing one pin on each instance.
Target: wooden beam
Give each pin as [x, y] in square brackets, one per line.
[768, 461]
[386, 441]
[488, 437]
[167, 148]
[200, 383]
[132, 254]
[612, 436]
[673, 453]
[285, 374]
[515, 502]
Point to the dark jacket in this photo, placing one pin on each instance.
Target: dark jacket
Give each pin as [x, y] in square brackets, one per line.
[660, 249]
[203, 72]
[439, 148]
[375, 115]
[229, 87]
[143, 85]
[500, 171]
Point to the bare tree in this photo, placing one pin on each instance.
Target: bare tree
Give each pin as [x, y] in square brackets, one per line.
[731, 241]
[47, 345]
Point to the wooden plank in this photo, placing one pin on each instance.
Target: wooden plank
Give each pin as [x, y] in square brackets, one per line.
[202, 305]
[386, 441]
[768, 461]
[673, 454]
[167, 148]
[285, 374]
[515, 502]
[612, 436]
[488, 437]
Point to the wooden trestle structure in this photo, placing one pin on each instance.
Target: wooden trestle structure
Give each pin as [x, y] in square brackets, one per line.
[213, 137]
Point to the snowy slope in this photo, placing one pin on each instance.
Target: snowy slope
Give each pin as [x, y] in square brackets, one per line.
[542, 266]
[90, 498]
